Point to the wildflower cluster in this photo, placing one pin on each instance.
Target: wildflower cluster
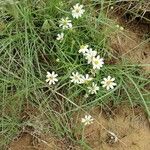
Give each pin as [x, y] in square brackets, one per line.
[97, 62]
[91, 56]
[66, 23]
[79, 78]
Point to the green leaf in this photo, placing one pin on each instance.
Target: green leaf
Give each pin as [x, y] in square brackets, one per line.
[46, 25]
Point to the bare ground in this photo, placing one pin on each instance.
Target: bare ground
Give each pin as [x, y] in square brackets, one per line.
[130, 125]
[133, 43]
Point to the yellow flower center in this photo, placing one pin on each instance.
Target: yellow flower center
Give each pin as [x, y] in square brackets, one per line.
[65, 22]
[76, 78]
[108, 82]
[50, 78]
[82, 46]
[77, 10]
[96, 62]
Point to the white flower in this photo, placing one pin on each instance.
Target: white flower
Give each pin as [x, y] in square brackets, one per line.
[65, 23]
[90, 55]
[86, 78]
[97, 62]
[60, 36]
[93, 89]
[83, 49]
[87, 120]
[51, 77]
[108, 83]
[77, 11]
[76, 78]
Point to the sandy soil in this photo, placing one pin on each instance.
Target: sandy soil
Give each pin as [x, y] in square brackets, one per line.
[32, 142]
[130, 126]
[131, 44]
